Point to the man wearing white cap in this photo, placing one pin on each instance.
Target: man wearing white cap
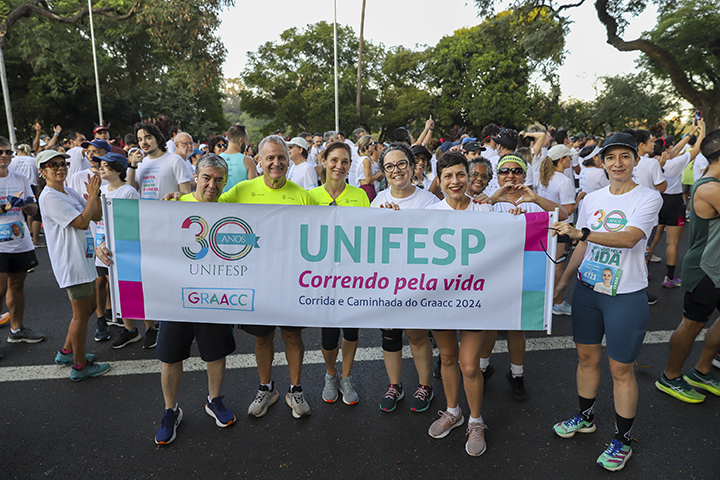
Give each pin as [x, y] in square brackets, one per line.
[301, 172]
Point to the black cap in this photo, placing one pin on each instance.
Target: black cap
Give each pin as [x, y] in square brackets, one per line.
[420, 150]
[620, 140]
[472, 146]
[507, 137]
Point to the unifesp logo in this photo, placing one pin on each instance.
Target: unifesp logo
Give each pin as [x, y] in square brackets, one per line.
[241, 299]
[230, 238]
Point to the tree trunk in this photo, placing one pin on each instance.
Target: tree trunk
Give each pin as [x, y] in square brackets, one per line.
[359, 71]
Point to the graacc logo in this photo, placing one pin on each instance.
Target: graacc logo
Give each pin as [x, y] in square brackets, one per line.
[230, 238]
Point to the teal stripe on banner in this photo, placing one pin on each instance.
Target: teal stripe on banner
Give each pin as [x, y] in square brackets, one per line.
[533, 306]
[534, 271]
[126, 217]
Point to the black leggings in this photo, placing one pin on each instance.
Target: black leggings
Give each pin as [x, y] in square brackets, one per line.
[331, 336]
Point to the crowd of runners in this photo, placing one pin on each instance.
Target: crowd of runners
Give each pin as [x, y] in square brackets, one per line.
[615, 195]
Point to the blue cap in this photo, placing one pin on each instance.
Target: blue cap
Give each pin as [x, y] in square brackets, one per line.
[112, 157]
[197, 151]
[98, 143]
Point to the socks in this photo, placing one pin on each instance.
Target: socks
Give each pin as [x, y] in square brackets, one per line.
[14, 331]
[269, 386]
[475, 420]
[623, 427]
[517, 370]
[587, 409]
[295, 388]
[484, 362]
[671, 271]
[455, 411]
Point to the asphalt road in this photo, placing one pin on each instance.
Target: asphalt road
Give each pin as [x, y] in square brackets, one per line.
[104, 428]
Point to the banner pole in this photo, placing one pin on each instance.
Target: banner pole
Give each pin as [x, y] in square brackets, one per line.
[550, 275]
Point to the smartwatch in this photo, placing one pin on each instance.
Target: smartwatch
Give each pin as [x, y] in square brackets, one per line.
[585, 233]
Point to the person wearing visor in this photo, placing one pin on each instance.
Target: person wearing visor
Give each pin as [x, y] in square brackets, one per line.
[593, 176]
[613, 239]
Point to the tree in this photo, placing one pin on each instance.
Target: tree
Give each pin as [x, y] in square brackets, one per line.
[682, 48]
[143, 60]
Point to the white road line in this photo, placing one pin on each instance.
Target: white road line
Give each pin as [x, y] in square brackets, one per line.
[247, 360]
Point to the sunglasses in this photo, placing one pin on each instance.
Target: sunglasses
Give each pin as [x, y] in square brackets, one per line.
[506, 171]
[57, 165]
[221, 145]
[9, 153]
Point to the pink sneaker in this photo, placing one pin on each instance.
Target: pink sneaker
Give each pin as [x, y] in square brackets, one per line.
[671, 282]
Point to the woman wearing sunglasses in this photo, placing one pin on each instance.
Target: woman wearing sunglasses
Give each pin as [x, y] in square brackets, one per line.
[515, 197]
[217, 145]
[453, 176]
[398, 163]
[71, 247]
[614, 224]
[335, 160]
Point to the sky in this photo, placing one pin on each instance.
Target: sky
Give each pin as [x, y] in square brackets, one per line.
[247, 26]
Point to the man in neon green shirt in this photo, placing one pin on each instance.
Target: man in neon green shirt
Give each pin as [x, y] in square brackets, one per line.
[274, 188]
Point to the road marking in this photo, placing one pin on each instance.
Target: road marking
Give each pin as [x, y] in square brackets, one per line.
[313, 357]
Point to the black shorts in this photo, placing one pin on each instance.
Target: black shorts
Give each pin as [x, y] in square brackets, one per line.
[17, 262]
[102, 271]
[265, 330]
[672, 213]
[214, 340]
[699, 304]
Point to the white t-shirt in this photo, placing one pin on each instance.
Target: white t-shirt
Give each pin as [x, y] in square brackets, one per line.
[171, 147]
[71, 251]
[494, 158]
[26, 166]
[560, 189]
[356, 172]
[14, 234]
[125, 191]
[529, 207]
[162, 175]
[673, 173]
[77, 182]
[648, 173]
[374, 169]
[592, 178]
[699, 166]
[77, 162]
[304, 175]
[472, 206]
[602, 211]
[420, 199]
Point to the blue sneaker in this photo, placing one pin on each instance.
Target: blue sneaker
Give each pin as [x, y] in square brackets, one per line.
[91, 370]
[216, 409]
[615, 456]
[101, 331]
[569, 428]
[62, 359]
[167, 431]
[563, 309]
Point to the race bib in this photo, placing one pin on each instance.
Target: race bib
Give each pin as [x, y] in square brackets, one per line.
[89, 244]
[603, 271]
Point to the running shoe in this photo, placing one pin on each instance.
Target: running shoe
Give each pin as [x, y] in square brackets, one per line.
[5, 318]
[216, 409]
[488, 373]
[264, 398]
[63, 359]
[562, 309]
[442, 426]
[422, 398]
[114, 322]
[517, 387]
[652, 299]
[101, 331]
[716, 361]
[125, 338]
[25, 335]
[706, 382]
[167, 431]
[330, 390]
[296, 400]
[655, 259]
[679, 389]
[576, 424]
[615, 456]
[671, 282]
[393, 395]
[91, 369]
[350, 396]
[476, 445]
[150, 339]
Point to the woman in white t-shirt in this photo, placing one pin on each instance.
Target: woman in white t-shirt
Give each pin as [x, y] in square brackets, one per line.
[71, 247]
[554, 185]
[454, 179]
[614, 224]
[368, 173]
[398, 163]
[592, 176]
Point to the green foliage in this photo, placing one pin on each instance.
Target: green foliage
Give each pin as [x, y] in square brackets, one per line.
[164, 60]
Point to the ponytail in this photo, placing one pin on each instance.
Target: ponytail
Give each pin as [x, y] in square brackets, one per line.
[547, 170]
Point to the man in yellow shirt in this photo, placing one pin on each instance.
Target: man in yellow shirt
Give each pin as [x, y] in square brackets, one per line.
[274, 188]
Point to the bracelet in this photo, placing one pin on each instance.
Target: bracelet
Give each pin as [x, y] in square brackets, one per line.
[585, 233]
[57, 134]
[131, 167]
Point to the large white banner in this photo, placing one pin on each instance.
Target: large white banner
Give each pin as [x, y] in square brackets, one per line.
[329, 266]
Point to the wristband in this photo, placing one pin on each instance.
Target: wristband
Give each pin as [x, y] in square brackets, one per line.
[585, 233]
[57, 134]
[131, 167]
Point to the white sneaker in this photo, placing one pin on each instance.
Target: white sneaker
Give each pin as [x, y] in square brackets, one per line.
[563, 309]
[655, 259]
[296, 401]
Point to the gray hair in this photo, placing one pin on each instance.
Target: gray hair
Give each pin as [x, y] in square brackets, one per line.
[277, 140]
[485, 162]
[329, 134]
[359, 133]
[211, 160]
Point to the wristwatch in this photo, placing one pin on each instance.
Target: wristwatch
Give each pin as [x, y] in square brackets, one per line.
[585, 232]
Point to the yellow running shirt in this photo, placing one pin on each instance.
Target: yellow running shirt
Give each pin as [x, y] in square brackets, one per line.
[255, 191]
[350, 197]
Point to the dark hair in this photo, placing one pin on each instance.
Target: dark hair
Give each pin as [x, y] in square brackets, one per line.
[130, 139]
[401, 134]
[214, 141]
[116, 167]
[236, 133]
[692, 140]
[404, 148]
[660, 146]
[710, 146]
[153, 130]
[323, 155]
[340, 132]
[73, 135]
[641, 135]
[5, 141]
[173, 130]
[560, 137]
[451, 159]
[317, 134]
[489, 130]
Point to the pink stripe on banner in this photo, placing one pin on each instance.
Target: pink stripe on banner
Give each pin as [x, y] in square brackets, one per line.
[132, 302]
[535, 231]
